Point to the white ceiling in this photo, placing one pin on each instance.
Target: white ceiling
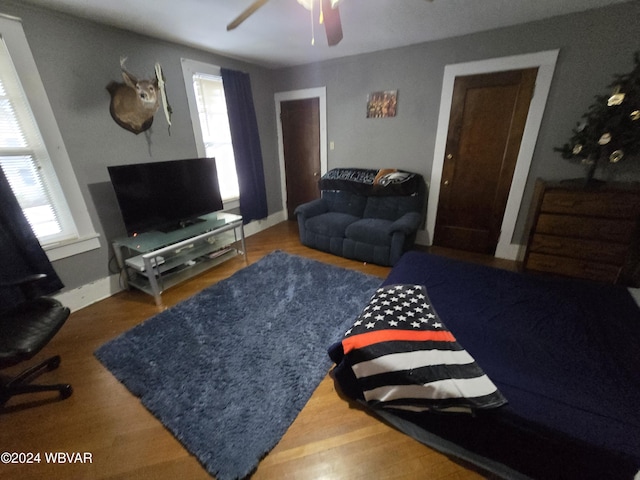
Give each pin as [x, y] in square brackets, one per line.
[279, 34]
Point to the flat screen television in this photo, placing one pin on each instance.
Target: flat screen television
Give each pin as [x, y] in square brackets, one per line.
[166, 195]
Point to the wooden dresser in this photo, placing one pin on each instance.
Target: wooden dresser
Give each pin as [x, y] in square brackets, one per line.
[585, 232]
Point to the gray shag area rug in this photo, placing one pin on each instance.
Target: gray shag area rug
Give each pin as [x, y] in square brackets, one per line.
[228, 370]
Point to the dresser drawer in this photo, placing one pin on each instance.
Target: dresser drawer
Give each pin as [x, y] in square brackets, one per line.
[611, 230]
[583, 249]
[573, 267]
[585, 232]
[593, 204]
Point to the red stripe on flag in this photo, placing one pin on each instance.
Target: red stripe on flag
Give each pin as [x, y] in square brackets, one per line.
[365, 339]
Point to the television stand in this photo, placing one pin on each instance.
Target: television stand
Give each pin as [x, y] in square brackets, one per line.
[181, 224]
[154, 261]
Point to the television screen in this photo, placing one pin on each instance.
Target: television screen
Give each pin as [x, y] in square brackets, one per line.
[165, 195]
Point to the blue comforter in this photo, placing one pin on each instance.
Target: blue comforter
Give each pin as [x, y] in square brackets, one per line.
[565, 354]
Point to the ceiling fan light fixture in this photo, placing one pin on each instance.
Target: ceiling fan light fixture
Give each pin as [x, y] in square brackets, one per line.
[308, 4]
[329, 15]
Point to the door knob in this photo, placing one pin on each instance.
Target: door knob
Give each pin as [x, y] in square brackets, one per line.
[446, 182]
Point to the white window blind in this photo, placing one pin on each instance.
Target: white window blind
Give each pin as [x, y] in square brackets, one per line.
[216, 135]
[210, 121]
[26, 163]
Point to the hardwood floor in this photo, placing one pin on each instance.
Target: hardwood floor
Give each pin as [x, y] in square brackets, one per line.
[330, 439]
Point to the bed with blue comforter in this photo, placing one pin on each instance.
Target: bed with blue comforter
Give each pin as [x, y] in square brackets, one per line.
[562, 355]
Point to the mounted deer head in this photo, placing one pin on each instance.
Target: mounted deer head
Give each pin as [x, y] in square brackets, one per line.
[134, 102]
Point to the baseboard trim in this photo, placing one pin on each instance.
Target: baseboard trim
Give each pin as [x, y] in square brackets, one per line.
[422, 238]
[90, 293]
[510, 251]
[258, 225]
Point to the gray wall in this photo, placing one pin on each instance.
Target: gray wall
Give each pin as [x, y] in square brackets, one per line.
[76, 60]
[593, 46]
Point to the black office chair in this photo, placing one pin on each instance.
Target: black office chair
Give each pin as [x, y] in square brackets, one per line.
[24, 330]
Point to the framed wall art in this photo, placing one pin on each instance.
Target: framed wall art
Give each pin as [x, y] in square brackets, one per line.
[382, 104]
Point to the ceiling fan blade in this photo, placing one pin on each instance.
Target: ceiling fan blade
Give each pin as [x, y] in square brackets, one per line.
[246, 14]
[332, 24]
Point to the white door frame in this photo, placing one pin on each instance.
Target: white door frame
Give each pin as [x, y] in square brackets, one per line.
[321, 94]
[546, 62]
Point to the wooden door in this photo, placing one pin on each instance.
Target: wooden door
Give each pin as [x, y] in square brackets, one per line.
[301, 144]
[488, 116]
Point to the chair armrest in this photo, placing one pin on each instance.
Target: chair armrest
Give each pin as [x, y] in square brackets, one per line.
[312, 208]
[406, 224]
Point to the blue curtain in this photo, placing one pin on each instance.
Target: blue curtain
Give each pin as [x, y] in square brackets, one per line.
[20, 252]
[246, 144]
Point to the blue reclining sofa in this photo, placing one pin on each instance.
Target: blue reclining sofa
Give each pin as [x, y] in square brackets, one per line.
[364, 214]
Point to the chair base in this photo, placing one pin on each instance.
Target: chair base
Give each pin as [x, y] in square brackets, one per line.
[20, 385]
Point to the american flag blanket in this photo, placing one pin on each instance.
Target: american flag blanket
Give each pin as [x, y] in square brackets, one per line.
[400, 355]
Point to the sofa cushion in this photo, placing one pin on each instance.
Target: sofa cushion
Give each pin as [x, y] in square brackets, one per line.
[390, 208]
[375, 231]
[332, 224]
[344, 202]
[367, 252]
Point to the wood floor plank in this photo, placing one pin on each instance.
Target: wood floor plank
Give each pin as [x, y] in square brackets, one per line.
[329, 439]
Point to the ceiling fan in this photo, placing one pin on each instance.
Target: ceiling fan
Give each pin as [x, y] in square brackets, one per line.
[329, 15]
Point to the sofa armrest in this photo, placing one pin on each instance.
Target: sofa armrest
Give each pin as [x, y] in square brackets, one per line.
[406, 224]
[312, 208]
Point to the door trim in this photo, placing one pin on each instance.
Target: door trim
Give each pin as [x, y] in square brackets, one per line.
[321, 94]
[546, 62]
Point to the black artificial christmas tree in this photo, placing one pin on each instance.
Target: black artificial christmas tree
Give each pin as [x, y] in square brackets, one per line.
[610, 131]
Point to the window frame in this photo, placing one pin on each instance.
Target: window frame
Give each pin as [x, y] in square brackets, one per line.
[87, 239]
[190, 68]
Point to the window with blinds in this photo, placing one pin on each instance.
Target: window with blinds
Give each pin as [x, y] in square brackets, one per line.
[26, 163]
[216, 135]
